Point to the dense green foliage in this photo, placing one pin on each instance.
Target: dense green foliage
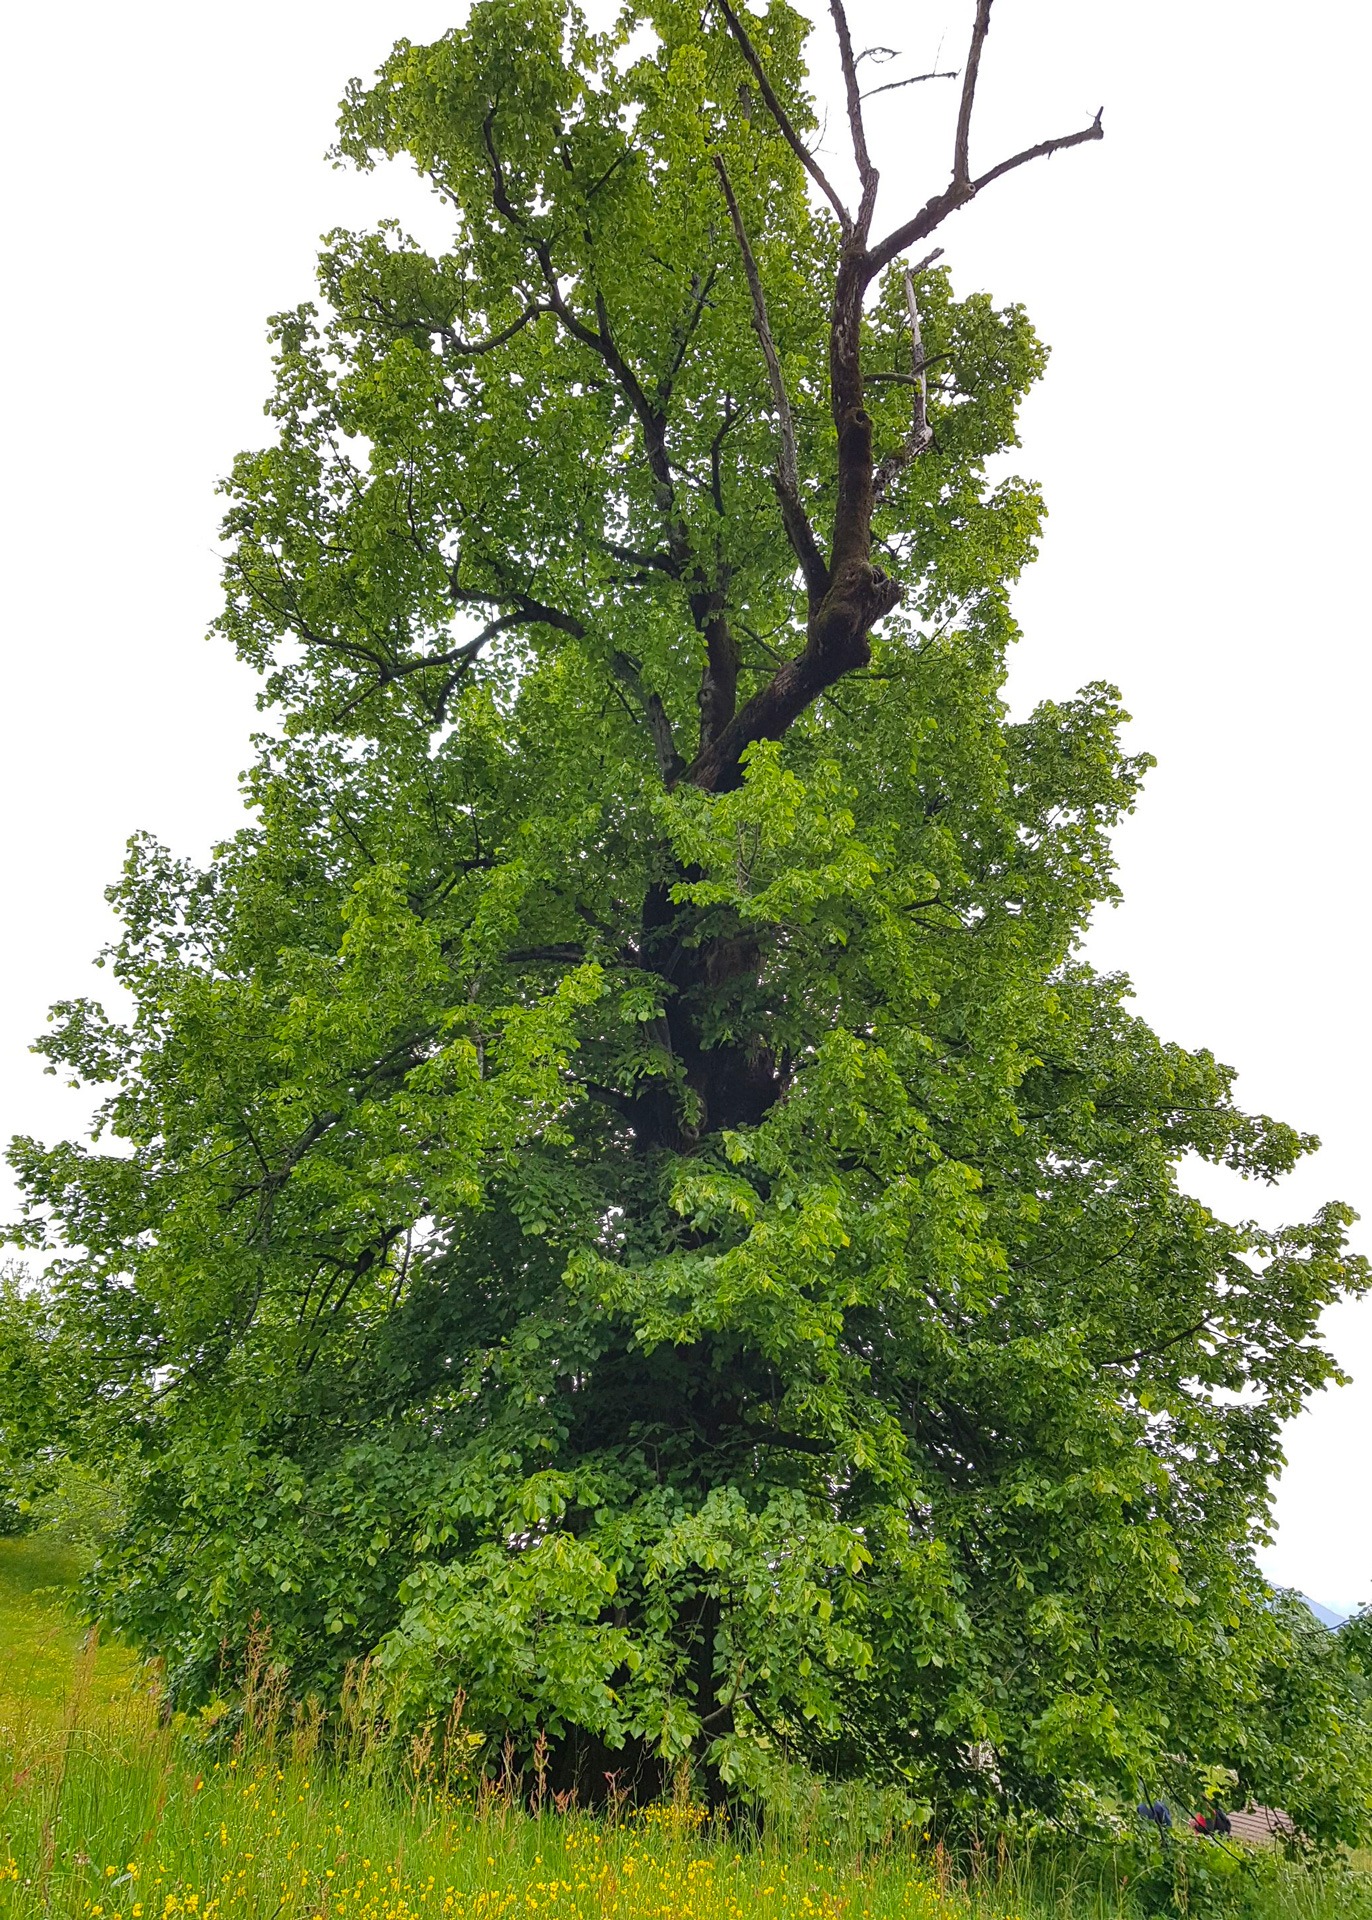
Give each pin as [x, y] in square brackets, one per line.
[624, 1199]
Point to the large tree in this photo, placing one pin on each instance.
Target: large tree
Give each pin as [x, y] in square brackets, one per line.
[628, 1202]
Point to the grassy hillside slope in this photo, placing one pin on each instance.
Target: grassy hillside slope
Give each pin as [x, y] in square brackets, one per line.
[40, 1641]
[108, 1814]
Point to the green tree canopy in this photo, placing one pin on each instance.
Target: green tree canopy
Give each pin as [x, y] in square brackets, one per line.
[624, 1198]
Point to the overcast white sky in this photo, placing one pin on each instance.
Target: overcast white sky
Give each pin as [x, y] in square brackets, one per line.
[1203, 436]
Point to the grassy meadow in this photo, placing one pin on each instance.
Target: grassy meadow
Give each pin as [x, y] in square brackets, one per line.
[108, 1814]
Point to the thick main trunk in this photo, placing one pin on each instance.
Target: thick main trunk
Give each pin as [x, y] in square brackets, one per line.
[730, 1084]
[592, 1774]
[718, 698]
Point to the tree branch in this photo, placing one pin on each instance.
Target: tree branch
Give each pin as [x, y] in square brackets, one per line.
[525, 611]
[890, 86]
[717, 698]
[599, 339]
[963, 187]
[565, 952]
[936, 211]
[787, 476]
[731, 418]
[792, 1442]
[473, 349]
[867, 173]
[921, 433]
[879, 379]
[531, 612]
[700, 299]
[1151, 1353]
[630, 672]
[1040, 152]
[981, 26]
[852, 594]
[459, 658]
[635, 557]
[836, 643]
[782, 118]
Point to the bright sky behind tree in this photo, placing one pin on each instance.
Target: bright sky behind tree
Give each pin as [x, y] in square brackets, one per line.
[1200, 436]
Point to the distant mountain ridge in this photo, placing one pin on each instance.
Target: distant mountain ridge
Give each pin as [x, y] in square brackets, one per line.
[1326, 1616]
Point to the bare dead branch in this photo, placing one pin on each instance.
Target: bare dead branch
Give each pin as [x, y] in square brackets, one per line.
[787, 477]
[867, 173]
[1045, 147]
[917, 360]
[854, 593]
[921, 433]
[780, 115]
[891, 86]
[981, 26]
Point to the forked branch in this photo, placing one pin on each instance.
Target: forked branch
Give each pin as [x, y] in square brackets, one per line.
[851, 593]
[526, 612]
[936, 211]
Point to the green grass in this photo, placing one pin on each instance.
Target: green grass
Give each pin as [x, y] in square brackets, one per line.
[40, 1638]
[106, 1814]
